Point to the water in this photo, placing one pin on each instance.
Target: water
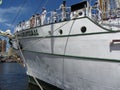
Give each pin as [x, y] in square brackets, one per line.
[13, 77]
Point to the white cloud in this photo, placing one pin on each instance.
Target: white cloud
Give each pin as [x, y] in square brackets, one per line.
[7, 11]
[5, 14]
[9, 25]
[10, 10]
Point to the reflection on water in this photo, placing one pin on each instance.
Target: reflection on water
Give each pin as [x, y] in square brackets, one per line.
[13, 77]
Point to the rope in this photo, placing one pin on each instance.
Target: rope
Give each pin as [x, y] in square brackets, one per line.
[65, 51]
[21, 52]
[25, 1]
[32, 43]
[41, 5]
[45, 3]
[23, 55]
[38, 84]
[26, 65]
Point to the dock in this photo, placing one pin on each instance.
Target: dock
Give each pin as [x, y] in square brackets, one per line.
[10, 59]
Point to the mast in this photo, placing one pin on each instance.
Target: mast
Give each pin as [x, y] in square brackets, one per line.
[104, 8]
[100, 4]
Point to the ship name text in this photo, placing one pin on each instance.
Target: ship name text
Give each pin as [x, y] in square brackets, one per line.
[32, 32]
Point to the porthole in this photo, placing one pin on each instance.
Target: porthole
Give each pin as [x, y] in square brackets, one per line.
[80, 13]
[61, 31]
[83, 29]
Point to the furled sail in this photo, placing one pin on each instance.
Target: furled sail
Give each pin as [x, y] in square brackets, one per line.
[104, 7]
[108, 8]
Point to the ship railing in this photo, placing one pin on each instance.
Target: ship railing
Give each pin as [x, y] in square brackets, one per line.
[105, 15]
[51, 17]
[56, 16]
[111, 18]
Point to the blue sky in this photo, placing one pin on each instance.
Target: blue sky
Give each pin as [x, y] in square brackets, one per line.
[14, 11]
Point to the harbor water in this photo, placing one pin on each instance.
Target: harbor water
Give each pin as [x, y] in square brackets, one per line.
[13, 77]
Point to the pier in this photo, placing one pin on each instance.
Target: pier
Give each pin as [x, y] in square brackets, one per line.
[10, 59]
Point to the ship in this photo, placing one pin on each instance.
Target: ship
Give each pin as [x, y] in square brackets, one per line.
[78, 52]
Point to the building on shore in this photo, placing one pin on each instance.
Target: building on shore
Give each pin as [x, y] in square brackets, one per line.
[3, 46]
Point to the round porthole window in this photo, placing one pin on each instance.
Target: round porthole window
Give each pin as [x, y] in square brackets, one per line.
[80, 13]
[61, 31]
[83, 29]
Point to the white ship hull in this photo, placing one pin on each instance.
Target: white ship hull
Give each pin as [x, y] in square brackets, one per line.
[73, 60]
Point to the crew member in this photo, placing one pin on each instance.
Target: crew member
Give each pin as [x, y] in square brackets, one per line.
[32, 21]
[38, 20]
[43, 16]
[54, 16]
[63, 10]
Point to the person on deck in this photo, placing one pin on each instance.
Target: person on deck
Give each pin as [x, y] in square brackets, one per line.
[43, 16]
[98, 11]
[32, 21]
[38, 20]
[54, 16]
[63, 10]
